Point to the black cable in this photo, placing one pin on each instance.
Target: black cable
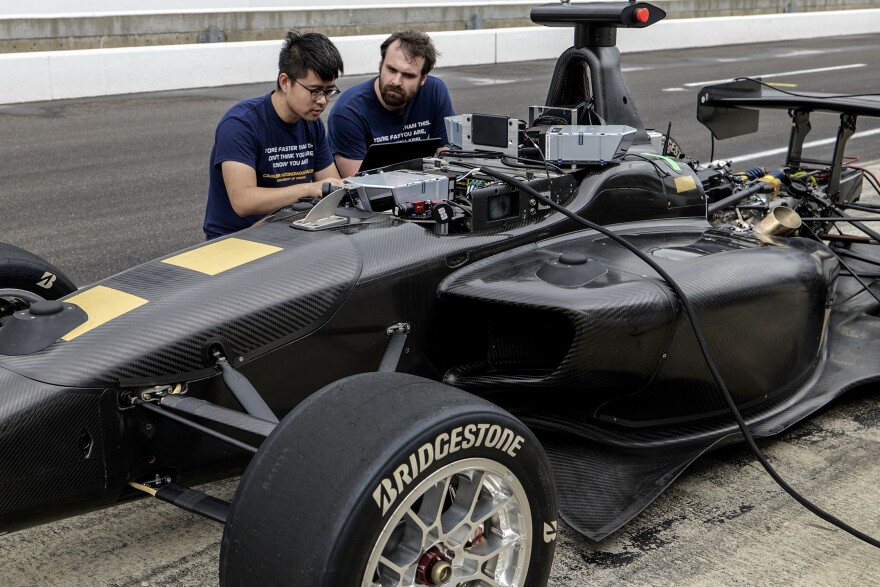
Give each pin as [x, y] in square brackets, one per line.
[550, 120]
[870, 232]
[523, 163]
[865, 275]
[855, 275]
[472, 154]
[872, 179]
[660, 171]
[873, 184]
[466, 209]
[857, 257]
[833, 207]
[850, 219]
[546, 164]
[796, 94]
[862, 207]
[704, 348]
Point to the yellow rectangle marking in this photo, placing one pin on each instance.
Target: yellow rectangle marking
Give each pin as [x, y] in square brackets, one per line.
[685, 183]
[102, 304]
[220, 256]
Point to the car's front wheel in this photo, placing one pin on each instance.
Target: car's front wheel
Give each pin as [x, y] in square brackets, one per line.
[26, 278]
[391, 479]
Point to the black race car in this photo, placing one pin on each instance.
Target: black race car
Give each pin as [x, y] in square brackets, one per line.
[421, 370]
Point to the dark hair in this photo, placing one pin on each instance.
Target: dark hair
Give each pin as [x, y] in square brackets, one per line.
[309, 51]
[414, 44]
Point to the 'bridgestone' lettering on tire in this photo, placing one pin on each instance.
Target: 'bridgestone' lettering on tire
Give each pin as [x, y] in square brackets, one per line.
[463, 488]
[444, 444]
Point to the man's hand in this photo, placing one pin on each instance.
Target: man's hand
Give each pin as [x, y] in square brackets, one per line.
[321, 188]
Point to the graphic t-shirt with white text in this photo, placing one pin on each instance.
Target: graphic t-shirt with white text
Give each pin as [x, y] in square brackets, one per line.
[282, 154]
[358, 118]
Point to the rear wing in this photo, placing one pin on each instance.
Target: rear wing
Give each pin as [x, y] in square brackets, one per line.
[731, 109]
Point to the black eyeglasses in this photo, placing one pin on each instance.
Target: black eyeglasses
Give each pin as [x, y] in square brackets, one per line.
[319, 92]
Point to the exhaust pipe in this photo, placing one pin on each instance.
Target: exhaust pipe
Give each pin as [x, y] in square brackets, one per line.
[780, 221]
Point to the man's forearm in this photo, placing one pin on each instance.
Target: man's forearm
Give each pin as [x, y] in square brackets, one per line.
[255, 200]
[347, 167]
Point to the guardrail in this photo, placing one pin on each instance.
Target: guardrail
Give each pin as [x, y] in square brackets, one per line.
[690, 7]
[53, 75]
[226, 22]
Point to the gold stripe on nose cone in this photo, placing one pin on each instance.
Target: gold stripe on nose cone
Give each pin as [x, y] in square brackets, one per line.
[223, 255]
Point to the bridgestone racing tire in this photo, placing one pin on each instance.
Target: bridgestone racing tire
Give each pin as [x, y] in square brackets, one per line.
[334, 491]
[21, 270]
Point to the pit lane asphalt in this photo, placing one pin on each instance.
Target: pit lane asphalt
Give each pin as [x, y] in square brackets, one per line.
[98, 185]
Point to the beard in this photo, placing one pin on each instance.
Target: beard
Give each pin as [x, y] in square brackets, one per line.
[394, 96]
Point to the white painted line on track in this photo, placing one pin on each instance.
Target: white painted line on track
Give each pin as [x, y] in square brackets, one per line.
[789, 73]
[819, 143]
[800, 53]
[489, 81]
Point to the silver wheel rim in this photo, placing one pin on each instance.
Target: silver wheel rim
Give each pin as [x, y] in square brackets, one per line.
[470, 522]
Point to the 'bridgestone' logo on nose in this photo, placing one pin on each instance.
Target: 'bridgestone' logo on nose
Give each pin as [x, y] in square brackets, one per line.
[445, 444]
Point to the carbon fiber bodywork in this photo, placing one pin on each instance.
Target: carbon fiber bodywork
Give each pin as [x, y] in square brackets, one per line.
[617, 344]
[631, 395]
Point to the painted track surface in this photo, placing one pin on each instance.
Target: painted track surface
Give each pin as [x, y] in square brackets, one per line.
[98, 185]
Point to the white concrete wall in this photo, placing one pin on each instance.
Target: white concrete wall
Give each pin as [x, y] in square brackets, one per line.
[53, 75]
[45, 7]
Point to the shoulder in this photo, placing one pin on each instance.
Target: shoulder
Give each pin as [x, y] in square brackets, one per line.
[436, 97]
[355, 96]
[246, 108]
[246, 113]
[435, 91]
[436, 84]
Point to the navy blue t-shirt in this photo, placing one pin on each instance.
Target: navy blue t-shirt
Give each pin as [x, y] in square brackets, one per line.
[282, 154]
[358, 118]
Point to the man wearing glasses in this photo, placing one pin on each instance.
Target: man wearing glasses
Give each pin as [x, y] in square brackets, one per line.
[403, 103]
[272, 151]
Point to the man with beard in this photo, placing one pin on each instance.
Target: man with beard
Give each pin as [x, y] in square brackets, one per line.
[273, 150]
[403, 103]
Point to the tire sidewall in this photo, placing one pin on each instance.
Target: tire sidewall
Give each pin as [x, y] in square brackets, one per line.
[305, 512]
[20, 269]
[529, 466]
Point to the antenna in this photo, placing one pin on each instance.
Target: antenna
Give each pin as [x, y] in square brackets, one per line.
[666, 140]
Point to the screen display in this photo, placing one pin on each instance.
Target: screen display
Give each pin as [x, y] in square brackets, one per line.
[500, 206]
